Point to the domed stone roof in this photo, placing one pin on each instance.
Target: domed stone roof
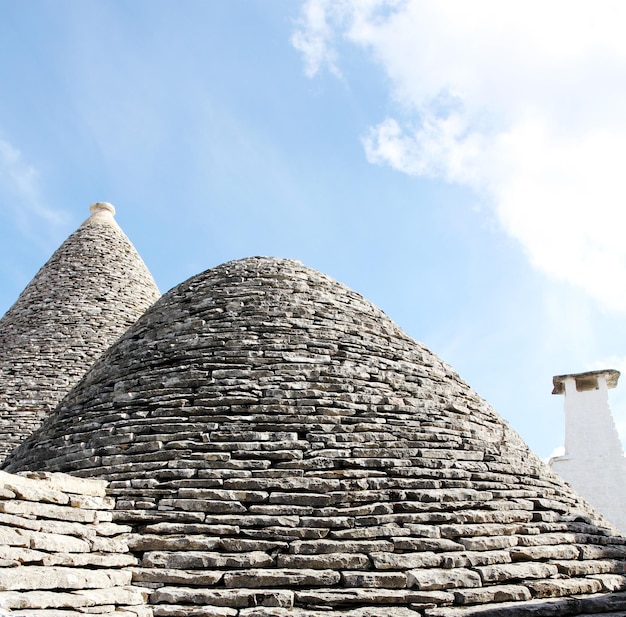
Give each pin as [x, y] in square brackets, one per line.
[92, 288]
[283, 448]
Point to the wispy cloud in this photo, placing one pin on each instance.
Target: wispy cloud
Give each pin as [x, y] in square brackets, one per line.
[21, 198]
[315, 33]
[521, 102]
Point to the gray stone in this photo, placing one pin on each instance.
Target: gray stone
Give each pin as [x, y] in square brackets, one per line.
[54, 542]
[493, 593]
[338, 561]
[489, 543]
[587, 567]
[560, 551]
[184, 610]
[283, 577]
[332, 546]
[516, 571]
[235, 598]
[82, 560]
[376, 597]
[384, 580]
[404, 561]
[174, 542]
[185, 560]
[611, 582]
[45, 510]
[169, 576]
[562, 587]
[427, 544]
[431, 579]
[39, 577]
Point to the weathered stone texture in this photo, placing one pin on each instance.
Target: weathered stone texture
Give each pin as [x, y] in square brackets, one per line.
[280, 447]
[49, 566]
[88, 293]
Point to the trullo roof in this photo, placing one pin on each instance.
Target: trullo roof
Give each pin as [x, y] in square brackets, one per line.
[283, 448]
[87, 294]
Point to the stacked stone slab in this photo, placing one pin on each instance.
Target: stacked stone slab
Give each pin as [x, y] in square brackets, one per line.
[280, 447]
[60, 554]
[92, 288]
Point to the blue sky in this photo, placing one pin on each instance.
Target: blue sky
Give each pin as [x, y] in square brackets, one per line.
[461, 170]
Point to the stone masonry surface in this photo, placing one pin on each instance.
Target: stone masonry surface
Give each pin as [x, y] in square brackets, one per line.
[280, 447]
[88, 293]
[60, 553]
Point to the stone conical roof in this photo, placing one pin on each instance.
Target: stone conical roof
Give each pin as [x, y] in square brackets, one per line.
[283, 448]
[88, 293]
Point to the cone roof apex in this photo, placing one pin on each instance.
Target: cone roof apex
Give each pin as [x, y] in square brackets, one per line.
[102, 207]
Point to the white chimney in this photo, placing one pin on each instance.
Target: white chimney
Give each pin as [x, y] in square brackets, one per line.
[593, 463]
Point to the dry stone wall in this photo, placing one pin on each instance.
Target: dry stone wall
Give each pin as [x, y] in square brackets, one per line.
[60, 553]
[88, 293]
[280, 447]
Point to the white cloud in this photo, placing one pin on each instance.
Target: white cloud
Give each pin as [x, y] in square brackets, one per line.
[523, 102]
[314, 36]
[21, 197]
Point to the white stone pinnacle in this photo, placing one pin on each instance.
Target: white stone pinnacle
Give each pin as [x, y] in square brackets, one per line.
[102, 207]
